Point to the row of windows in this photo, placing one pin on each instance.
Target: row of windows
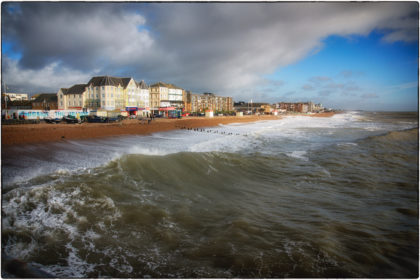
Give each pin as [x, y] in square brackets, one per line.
[112, 89]
[75, 96]
[104, 103]
[74, 103]
[108, 103]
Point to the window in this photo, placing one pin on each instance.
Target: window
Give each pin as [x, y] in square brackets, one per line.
[103, 95]
[97, 96]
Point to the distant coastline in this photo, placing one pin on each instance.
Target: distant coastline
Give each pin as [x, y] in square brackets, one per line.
[40, 133]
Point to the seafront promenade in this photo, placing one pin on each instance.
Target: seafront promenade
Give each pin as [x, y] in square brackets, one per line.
[44, 132]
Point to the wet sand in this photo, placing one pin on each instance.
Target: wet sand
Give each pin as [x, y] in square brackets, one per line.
[323, 115]
[44, 132]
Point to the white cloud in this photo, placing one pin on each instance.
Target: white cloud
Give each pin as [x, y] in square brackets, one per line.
[225, 48]
[48, 79]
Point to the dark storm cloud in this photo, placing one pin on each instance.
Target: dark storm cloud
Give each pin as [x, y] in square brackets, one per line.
[219, 47]
[80, 36]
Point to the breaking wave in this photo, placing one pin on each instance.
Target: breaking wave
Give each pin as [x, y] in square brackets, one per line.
[327, 199]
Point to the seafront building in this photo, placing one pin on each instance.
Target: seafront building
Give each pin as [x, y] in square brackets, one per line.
[144, 97]
[72, 98]
[165, 96]
[158, 91]
[281, 107]
[209, 101]
[300, 107]
[186, 98]
[106, 93]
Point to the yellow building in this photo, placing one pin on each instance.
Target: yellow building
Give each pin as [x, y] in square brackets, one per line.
[106, 93]
[158, 91]
[72, 98]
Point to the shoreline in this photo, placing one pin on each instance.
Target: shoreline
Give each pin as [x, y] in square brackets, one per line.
[41, 133]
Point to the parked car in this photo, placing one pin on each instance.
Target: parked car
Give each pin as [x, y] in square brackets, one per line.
[96, 119]
[52, 120]
[71, 119]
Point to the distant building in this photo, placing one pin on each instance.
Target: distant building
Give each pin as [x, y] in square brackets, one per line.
[252, 107]
[266, 109]
[210, 101]
[16, 96]
[45, 101]
[6, 103]
[300, 107]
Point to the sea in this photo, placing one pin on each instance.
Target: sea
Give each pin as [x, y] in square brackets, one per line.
[296, 197]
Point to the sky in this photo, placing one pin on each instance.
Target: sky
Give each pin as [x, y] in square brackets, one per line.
[344, 55]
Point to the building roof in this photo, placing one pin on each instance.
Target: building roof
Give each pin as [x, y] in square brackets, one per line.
[76, 89]
[173, 86]
[162, 84]
[125, 82]
[33, 97]
[64, 90]
[48, 97]
[142, 85]
[159, 84]
[109, 81]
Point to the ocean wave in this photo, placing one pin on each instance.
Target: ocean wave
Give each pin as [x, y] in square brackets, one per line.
[217, 205]
[298, 154]
[400, 135]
